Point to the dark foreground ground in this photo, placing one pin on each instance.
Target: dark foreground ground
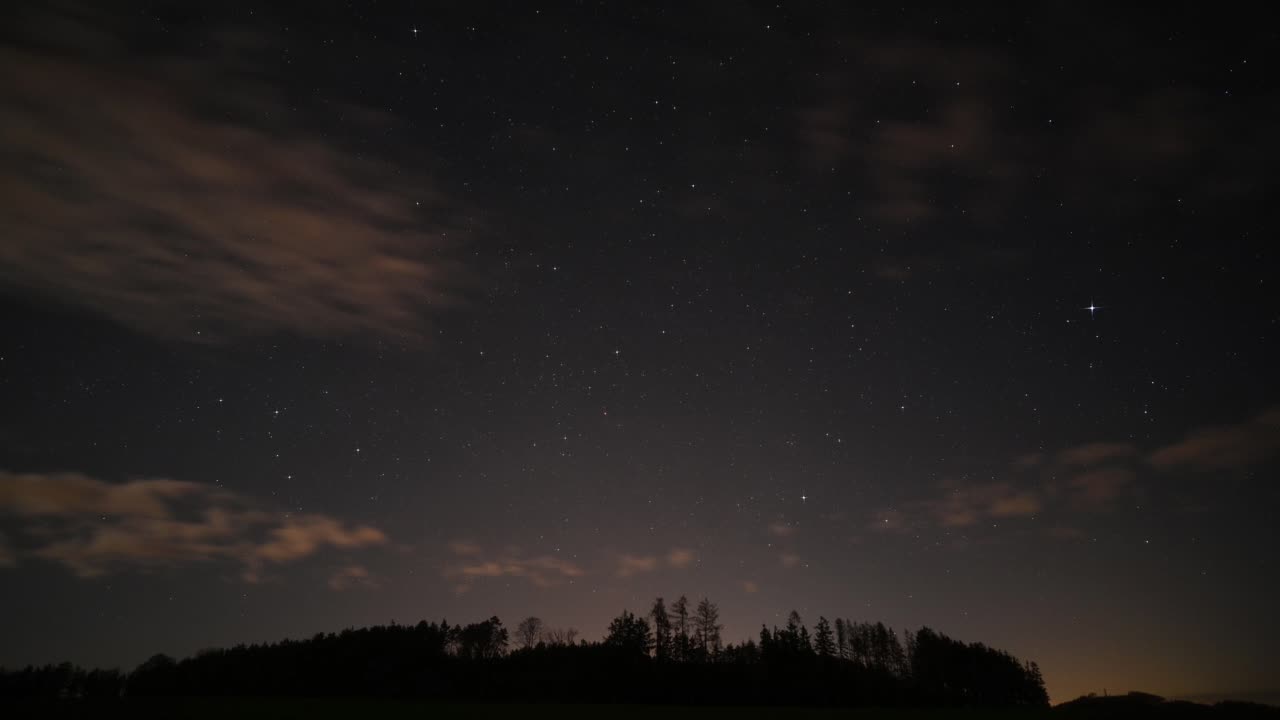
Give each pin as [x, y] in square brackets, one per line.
[374, 709]
[281, 709]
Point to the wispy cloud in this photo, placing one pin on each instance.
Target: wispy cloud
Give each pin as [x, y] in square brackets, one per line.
[351, 576]
[629, 565]
[904, 161]
[1091, 477]
[174, 195]
[780, 529]
[464, 548]
[94, 527]
[905, 167]
[1098, 488]
[1223, 447]
[1095, 453]
[680, 558]
[473, 563]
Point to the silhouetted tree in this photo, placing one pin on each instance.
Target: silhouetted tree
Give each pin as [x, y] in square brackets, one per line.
[529, 632]
[661, 631]
[681, 646]
[792, 632]
[842, 640]
[708, 627]
[483, 640]
[823, 644]
[630, 634]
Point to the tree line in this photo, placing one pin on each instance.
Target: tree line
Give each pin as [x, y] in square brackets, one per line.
[671, 654]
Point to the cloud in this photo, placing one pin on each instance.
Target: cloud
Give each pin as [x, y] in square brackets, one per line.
[301, 536]
[629, 565]
[969, 504]
[94, 527]
[351, 576]
[8, 558]
[1097, 488]
[903, 164]
[970, 154]
[1021, 504]
[961, 505]
[542, 571]
[750, 587]
[464, 547]
[1095, 453]
[1225, 447]
[680, 558]
[1090, 477]
[176, 196]
[781, 529]
[789, 560]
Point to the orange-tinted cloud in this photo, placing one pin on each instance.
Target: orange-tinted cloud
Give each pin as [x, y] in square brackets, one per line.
[629, 565]
[300, 536]
[1224, 447]
[968, 504]
[677, 558]
[94, 527]
[1098, 488]
[142, 190]
[680, 558]
[542, 571]
[1016, 505]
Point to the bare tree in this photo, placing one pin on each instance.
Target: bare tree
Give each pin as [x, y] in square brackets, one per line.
[529, 631]
[560, 636]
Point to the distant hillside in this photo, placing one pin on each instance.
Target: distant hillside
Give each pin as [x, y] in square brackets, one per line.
[1145, 705]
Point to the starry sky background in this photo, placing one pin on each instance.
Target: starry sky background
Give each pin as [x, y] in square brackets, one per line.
[327, 315]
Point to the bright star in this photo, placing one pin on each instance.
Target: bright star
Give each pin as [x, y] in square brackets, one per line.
[1092, 309]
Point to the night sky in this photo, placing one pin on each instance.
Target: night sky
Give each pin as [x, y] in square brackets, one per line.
[333, 315]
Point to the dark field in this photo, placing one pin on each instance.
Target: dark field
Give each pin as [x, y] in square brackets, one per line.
[282, 709]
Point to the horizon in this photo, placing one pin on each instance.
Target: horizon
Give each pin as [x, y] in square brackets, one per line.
[944, 317]
[1260, 695]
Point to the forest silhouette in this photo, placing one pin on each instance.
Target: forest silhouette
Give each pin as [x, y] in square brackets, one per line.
[672, 654]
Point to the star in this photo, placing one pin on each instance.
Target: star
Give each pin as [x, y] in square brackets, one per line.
[1093, 309]
[415, 31]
